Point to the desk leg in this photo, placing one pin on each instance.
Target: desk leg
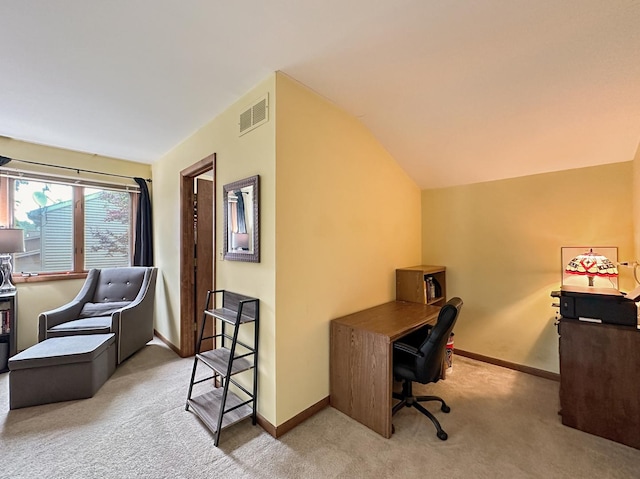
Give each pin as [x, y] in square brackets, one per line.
[360, 376]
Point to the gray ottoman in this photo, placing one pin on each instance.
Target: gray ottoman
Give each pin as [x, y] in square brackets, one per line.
[61, 369]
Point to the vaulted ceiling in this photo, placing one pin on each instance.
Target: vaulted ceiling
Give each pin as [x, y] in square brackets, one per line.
[457, 91]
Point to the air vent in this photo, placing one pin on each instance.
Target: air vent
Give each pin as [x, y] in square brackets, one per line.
[245, 120]
[254, 116]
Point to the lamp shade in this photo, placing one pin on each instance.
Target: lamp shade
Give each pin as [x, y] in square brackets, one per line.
[592, 264]
[11, 240]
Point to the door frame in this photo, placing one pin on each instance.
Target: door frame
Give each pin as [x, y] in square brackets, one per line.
[187, 240]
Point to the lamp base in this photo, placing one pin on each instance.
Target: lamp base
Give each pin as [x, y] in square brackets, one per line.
[5, 267]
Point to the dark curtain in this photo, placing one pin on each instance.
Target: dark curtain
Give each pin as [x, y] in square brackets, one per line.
[242, 220]
[143, 249]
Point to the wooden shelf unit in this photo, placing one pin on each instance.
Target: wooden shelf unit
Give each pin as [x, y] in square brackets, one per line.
[219, 407]
[411, 284]
[8, 322]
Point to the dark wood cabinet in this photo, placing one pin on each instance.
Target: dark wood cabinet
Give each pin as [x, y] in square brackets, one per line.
[600, 379]
[8, 315]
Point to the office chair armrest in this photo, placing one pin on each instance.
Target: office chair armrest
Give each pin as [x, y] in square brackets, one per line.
[407, 348]
[415, 338]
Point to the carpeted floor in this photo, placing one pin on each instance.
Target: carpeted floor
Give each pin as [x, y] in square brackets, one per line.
[503, 424]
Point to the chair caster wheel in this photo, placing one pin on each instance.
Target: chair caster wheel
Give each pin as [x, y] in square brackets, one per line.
[442, 435]
[445, 408]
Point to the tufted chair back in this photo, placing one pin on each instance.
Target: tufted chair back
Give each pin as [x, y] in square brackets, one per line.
[118, 284]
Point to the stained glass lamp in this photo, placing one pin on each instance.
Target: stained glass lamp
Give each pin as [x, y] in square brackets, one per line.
[592, 264]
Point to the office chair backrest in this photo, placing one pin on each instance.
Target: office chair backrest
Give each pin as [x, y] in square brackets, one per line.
[429, 366]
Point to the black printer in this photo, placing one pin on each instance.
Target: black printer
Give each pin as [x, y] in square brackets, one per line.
[606, 305]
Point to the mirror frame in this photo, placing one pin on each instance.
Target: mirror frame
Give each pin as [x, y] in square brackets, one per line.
[252, 257]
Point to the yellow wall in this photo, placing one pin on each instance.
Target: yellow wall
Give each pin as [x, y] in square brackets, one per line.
[34, 298]
[20, 150]
[636, 205]
[501, 240]
[238, 157]
[347, 217]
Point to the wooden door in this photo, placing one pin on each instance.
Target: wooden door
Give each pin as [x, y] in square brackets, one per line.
[190, 313]
[203, 254]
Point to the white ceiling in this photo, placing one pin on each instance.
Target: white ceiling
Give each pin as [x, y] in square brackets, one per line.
[457, 91]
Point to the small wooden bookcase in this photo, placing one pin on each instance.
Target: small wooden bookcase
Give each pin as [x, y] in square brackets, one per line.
[412, 284]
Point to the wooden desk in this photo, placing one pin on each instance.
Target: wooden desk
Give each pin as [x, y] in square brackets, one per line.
[599, 379]
[361, 360]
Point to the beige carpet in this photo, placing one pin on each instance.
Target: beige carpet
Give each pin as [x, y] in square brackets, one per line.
[502, 424]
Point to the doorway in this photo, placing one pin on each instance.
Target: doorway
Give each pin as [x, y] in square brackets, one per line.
[197, 247]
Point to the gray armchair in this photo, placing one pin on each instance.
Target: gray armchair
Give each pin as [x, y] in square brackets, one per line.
[112, 300]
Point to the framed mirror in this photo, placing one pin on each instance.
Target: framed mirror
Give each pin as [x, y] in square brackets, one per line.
[241, 220]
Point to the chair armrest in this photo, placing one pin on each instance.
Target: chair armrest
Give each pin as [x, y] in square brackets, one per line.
[416, 338]
[130, 312]
[49, 319]
[407, 348]
[69, 311]
[130, 307]
[134, 322]
[143, 299]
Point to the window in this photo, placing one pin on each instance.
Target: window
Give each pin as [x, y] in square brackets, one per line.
[107, 228]
[69, 227]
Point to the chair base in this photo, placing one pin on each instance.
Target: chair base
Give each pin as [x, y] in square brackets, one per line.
[407, 399]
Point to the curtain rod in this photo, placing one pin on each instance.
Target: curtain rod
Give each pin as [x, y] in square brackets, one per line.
[4, 160]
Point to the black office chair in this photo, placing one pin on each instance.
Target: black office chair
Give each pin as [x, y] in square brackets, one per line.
[419, 357]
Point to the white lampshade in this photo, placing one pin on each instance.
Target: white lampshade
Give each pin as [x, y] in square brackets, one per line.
[11, 240]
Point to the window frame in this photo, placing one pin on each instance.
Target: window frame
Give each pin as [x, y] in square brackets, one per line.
[7, 186]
